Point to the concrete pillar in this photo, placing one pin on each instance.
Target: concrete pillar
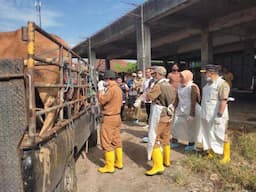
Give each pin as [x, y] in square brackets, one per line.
[206, 48]
[143, 45]
[107, 64]
[91, 56]
[92, 60]
[206, 52]
[248, 68]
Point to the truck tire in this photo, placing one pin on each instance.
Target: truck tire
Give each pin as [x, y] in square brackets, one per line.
[13, 123]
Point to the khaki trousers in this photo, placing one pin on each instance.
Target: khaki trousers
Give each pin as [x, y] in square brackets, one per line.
[163, 134]
[110, 133]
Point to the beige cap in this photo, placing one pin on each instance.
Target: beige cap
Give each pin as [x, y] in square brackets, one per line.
[134, 74]
[159, 69]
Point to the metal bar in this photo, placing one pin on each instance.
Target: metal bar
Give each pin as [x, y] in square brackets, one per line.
[55, 130]
[59, 106]
[61, 81]
[10, 76]
[79, 83]
[45, 61]
[42, 85]
[40, 30]
[30, 66]
[36, 58]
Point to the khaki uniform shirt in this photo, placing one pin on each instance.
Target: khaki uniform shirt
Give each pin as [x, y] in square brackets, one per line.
[162, 94]
[229, 78]
[111, 101]
[138, 82]
[224, 90]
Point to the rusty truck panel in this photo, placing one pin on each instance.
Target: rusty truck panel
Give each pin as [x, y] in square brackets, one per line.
[37, 162]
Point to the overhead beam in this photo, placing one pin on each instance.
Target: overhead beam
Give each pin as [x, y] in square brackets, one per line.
[175, 37]
[122, 55]
[233, 19]
[126, 24]
[156, 9]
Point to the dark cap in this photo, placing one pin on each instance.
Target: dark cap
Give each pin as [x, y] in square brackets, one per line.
[210, 68]
[109, 75]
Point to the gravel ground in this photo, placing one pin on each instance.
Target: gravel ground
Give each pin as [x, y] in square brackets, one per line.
[132, 178]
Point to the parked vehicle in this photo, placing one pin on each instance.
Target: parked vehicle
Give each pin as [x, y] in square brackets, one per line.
[32, 159]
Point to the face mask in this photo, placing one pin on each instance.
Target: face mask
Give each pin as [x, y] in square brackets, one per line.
[139, 75]
[208, 79]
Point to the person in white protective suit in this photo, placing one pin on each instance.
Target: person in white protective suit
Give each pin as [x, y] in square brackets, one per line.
[162, 95]
[186, 122]
[214, 114]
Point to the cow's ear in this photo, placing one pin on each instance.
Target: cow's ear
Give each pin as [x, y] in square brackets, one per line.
[24, 33]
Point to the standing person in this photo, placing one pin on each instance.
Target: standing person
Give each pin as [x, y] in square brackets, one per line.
[111, 103]
[228, 76]
[162, 96]
[187, 114]
[132, 93]
[214, 114]
[174, 76]
[101, 84]
[138, 81]
[147, 83]
[125, 89]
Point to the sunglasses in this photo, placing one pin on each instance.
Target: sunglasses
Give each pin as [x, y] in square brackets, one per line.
[174, 70]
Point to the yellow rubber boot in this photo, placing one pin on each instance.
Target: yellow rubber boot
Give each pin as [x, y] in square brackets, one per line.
[109, 163]
[226, 154]
[166, 155]
[157, 159]
[119, 158]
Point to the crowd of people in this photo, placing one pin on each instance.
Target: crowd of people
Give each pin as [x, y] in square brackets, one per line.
[176, 112]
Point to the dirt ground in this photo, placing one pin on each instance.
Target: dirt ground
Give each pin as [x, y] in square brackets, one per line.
[131, 177]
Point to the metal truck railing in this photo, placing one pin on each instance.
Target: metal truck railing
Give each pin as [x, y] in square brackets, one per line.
[33, 59]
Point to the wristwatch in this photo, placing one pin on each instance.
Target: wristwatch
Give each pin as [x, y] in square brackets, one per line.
[219, 114]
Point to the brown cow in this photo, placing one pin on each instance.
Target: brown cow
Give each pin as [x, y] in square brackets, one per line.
[12, 46]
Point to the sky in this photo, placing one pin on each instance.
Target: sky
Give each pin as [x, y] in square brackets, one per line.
[72, 20]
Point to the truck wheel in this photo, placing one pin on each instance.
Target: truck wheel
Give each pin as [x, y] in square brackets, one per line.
[69, 178]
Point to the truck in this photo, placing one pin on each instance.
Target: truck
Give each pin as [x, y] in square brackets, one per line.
[32, 160]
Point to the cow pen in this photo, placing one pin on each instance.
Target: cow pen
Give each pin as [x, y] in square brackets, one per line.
[36, 160]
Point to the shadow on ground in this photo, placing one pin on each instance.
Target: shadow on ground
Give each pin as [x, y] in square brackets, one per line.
[137, 133]
[96, 156]
[137, 153]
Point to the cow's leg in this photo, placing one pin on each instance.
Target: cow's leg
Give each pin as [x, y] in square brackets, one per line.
[48, 101]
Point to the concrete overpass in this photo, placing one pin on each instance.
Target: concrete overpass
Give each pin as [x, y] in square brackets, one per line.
[178, 30]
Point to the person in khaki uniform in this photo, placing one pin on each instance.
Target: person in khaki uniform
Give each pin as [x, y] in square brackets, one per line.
[138, 83]
[214, 114]
[111, 102]
[162, 96]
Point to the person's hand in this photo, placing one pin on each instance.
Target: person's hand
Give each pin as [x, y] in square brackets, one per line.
[218, 120]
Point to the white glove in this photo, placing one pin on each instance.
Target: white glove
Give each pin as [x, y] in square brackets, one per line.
[231, 99]
[170, 109]
[190, 118]
[101, 86]
[137, 102]
[218, 120]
